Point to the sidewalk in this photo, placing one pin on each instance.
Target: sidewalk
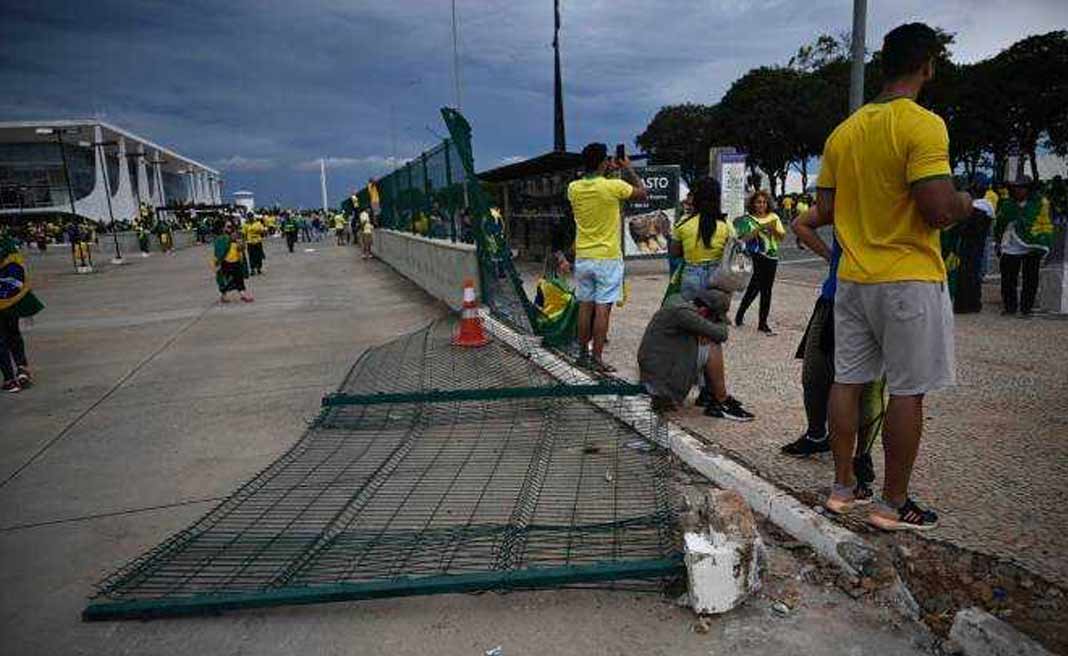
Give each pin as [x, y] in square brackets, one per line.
[994, 461]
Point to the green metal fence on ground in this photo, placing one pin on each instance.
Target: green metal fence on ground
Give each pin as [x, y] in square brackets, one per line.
[426, 473]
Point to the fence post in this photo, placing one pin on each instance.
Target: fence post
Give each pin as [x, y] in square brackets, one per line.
[448, 185]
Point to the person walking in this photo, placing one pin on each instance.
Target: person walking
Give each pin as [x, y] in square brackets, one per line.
[885, 183]
[229, 264]
[595, 201]
[17, 302]
[763, 230]
[254, 234]
[290, 228]
[699, 240]
[1023, 234]
[367, 234]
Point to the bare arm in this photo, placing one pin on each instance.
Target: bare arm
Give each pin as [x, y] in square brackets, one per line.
[805, 228]
[675, 248]
[825, 206]
[940, 204]
[628, 175]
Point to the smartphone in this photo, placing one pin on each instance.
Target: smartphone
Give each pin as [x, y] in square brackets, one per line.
[621, 152]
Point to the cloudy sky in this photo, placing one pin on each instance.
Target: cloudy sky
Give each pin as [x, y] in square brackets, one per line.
[261, 89]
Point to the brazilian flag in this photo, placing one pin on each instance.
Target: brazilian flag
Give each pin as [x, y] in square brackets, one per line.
[15, 294]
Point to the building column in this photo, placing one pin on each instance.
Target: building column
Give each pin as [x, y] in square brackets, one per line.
[142, 177]
[123, 202]
[161, 196]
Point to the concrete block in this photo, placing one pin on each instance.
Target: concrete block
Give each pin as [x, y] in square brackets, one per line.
[724, 554]
[981, 634]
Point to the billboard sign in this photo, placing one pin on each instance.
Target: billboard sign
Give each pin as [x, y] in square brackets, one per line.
[731, 173]
[647, 223]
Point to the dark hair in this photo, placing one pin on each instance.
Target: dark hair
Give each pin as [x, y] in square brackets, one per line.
[906, 49]
[706, 194]
[592, 156]
[750, 203]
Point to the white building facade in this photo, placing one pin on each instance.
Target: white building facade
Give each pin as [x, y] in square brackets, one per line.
[43, 164]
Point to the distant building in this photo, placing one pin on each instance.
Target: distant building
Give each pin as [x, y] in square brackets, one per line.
[43, 162]
[245, 199]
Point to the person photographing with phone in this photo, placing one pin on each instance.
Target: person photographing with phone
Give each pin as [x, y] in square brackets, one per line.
[598, 272]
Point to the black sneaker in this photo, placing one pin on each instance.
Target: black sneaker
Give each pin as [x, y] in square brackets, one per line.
[728, 409]
[802, 447]
[703, 398]
[767, 331]
[908, 517]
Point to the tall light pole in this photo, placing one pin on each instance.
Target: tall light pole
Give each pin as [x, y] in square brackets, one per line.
[102, 157]
[856, 69]
[322, 181]
[58, 132]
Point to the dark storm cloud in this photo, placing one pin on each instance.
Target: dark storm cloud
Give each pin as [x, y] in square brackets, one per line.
[262, 89]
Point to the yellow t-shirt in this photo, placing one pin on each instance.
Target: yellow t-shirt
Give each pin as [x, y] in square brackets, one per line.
[871, 160]
[365, 224]
[595, 203]
[992, 197]
[254, 232]
[234, 254]
[688, 234]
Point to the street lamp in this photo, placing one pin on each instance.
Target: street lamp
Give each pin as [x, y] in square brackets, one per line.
[59, 132]
[99, 145]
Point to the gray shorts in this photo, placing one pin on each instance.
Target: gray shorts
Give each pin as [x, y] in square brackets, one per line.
[904, 329]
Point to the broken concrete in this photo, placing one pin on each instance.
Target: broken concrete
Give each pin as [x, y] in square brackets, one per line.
[724, 553]
[979, 633]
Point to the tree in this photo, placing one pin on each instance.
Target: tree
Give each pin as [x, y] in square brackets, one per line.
[758, 115]
[1031, 79]
[680, 134]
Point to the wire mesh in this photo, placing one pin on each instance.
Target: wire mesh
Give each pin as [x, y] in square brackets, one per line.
[397, 493]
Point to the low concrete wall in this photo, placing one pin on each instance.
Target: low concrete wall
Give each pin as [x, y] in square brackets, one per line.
[436, 265]
[128, 245]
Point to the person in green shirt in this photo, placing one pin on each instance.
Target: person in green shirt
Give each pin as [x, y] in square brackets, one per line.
[17, 302]
[1023, 235]
[762, 230]
[290, 227]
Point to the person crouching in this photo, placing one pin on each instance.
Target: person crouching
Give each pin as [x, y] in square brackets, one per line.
[675, 351]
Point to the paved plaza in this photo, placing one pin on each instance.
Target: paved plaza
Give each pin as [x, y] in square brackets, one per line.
[154, 402]
[994, 460]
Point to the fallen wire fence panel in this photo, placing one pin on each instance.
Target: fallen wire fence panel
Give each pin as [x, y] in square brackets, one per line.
[427, 473]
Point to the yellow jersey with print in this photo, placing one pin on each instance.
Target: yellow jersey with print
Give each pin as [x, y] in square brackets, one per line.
[233, 254]
[871, 161]
[694, 251]
[595, 202]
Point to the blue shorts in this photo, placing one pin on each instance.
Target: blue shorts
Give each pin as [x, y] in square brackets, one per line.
[695, 277]
[598, 281]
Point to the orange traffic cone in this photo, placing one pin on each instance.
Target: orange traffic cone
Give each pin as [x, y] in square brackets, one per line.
[470, 332]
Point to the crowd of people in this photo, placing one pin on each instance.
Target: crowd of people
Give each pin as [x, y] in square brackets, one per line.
[880, 337]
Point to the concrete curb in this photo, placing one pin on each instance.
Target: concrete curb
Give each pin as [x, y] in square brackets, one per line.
[979, 633]
[846, 549]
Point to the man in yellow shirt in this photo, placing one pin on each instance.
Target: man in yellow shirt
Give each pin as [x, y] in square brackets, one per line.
[254, 233]
[595, 201]
[885, 184]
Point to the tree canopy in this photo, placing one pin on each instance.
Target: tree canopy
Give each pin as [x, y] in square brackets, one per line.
[780, 116]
